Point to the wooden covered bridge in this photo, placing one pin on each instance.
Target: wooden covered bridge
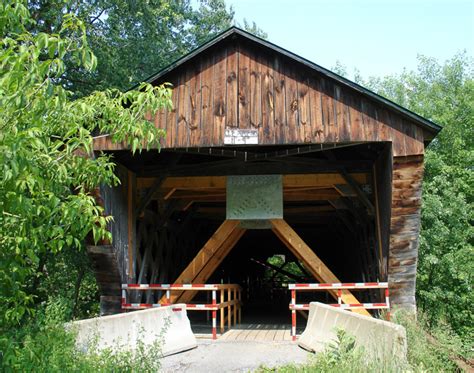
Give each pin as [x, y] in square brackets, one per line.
[266, 154]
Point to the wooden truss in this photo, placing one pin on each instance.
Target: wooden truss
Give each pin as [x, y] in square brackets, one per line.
[225, 238]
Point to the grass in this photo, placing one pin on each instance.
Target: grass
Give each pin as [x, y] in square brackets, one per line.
[435, 351]
[44, 345]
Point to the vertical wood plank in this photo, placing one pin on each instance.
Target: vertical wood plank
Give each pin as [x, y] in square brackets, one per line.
[346, 113]
[292, 104]
[171, 115]
[206, 100]
[279, 90]
[232, 85]
[194, 105]
[420, 146]
[340, 130]
[304, 114]
[219, 97]
[326, 112]
[398, 135]
[268, 103]
[353, 117]
[255, 94]
[317, 133]
[181, 111]
[244, 88]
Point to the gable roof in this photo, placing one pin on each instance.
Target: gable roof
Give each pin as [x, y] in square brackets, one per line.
[235, 32]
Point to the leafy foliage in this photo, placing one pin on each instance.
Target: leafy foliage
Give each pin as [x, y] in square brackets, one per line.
[134, 39]
[48, 168]
[444, 94]
[44, 345]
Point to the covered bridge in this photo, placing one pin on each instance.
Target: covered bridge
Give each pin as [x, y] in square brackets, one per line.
[266, 154]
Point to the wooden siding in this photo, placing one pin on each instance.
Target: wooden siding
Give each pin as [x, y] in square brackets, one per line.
[237, 86]
[119, 202]
[383, 200]
[407, 178]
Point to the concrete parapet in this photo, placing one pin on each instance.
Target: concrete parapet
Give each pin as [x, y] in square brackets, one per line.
[168, 326]
[380, 339]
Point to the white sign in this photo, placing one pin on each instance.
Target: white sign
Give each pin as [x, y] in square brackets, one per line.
[237, 136]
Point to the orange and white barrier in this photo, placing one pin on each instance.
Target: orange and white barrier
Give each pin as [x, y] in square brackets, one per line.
[339, 287]
[214, 306]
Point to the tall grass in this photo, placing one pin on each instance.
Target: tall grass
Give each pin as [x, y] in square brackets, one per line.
[435, 351]
[44, 345]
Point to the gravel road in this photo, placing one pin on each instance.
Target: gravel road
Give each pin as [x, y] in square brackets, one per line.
[234, 356]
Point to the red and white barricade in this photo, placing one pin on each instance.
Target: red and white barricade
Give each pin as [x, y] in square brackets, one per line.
[214, 306]
[339, 287]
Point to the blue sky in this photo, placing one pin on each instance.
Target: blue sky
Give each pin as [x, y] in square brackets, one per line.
[376, 37]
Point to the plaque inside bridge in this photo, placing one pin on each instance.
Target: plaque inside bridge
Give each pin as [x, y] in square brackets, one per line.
[254, 199]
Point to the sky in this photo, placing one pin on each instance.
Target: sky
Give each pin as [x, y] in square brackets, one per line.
[376, 37]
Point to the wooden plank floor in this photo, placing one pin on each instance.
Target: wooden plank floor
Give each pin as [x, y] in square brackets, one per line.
[257, 332]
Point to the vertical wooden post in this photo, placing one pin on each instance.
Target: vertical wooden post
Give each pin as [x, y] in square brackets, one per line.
[235, 305]
[229, 309]
[240, 306]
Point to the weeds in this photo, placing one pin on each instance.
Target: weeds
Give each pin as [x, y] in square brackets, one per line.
[426, 353]
[46, 346]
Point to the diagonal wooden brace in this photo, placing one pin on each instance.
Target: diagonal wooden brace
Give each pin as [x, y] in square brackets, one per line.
[311, 261]
[208, 259]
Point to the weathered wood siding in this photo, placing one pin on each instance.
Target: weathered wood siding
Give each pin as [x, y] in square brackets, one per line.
[238, 86]
[383, 193]
[119, 202]
[405, 229]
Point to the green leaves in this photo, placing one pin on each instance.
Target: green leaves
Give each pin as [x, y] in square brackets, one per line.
[445, 94]
[48, 169]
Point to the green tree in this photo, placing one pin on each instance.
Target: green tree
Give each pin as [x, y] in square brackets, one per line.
[134, 39]
[48, 168]
[444, 94]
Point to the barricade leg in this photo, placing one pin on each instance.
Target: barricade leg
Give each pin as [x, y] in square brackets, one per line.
[234, 299]
[293, 315]
[387, 302]
[240, 305]
[214, 315]
[222, 312]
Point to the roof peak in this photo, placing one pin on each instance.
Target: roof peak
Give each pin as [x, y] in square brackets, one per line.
[235, 30]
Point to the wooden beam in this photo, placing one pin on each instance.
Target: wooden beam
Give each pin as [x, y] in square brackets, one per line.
[354, 184]
[156, 184]
[226, 233]
[154, 187]
[293, 195]
[311, 261]
[213, 263]
[289, 181]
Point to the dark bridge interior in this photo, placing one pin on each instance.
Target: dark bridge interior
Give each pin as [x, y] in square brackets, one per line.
[336, 216]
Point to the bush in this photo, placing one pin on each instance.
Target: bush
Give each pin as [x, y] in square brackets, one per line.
[44, 345]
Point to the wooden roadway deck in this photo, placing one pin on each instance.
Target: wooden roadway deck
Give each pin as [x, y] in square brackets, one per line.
[252, 332]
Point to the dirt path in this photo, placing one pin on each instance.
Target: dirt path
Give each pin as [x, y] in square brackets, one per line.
[234, 356]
